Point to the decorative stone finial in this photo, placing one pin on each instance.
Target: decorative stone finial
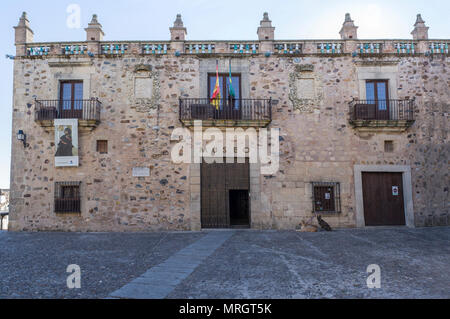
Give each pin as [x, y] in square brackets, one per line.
[178, 22]
[178, 31]
[419, 20]
[420, 31]
[94, 19]
[349, 30]
[348, 18]
[23, 32]
[94, 30]
[266, 31]
[23, 21]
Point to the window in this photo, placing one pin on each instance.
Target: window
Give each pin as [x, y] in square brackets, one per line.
[102, 147]
[388, 146]
[71, 99]
[67, 197]
[326, 197]
[377, 93]
[224, 82]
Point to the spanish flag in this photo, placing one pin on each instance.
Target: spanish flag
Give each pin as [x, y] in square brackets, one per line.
[215, 99]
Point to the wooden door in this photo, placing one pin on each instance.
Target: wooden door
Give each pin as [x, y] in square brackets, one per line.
[383, 199]
[217, 180]
[377, 95]
[214, 208]
[71, 100]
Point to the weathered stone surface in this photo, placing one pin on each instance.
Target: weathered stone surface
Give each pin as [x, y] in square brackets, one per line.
[317, 143]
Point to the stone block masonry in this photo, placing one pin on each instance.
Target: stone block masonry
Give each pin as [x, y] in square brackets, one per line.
[310, 84]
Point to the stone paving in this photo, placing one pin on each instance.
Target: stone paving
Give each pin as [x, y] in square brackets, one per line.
[228, 264]
[159, 281]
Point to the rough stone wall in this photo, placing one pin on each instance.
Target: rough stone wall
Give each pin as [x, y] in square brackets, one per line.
[317, 145]
[428, 149]
[322, 146]
[111, 198]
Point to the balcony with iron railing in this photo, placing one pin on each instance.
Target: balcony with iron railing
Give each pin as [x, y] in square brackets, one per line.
[226, 113]
[86, 111]
[394, 115]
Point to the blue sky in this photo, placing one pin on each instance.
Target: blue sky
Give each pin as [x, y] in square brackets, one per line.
[205, 20]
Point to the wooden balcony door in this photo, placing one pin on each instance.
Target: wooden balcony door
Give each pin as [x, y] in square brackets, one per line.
[377, 96]
[230, 108]
[71, 100]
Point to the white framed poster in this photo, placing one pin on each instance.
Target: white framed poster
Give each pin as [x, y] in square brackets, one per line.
[66, 141]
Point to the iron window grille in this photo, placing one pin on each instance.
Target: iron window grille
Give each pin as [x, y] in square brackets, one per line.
[326, 197]
[388, 146]
[67, 197]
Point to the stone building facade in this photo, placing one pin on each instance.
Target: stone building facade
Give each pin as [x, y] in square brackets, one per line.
[358, 119]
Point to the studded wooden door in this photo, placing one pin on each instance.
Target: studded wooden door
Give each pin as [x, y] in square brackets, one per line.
[217, 180]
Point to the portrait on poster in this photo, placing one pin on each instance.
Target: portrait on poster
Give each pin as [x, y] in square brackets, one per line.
[66, 142]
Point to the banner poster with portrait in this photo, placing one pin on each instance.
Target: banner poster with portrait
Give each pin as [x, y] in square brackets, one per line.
[66, 141]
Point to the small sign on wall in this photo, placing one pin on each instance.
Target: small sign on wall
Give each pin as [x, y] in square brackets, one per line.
[141, 172]
[395, 190]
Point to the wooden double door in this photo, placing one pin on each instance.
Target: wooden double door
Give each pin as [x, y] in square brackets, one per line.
[71, 100]
[383, 199]
[377, 94]
[225, 195]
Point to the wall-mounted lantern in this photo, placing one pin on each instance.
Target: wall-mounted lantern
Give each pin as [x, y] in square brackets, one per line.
[22, 137]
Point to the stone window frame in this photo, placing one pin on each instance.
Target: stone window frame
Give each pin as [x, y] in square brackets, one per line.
[238, 66]
[407, 190]
[380, 72]
[71, 72]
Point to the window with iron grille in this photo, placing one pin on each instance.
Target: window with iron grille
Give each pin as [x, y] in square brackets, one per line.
[67, 197]
[102, 147]
[326, 197]
[388, 146]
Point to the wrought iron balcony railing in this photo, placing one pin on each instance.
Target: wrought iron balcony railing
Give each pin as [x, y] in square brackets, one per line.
[382, 112]
[48, 110]
[236, 112]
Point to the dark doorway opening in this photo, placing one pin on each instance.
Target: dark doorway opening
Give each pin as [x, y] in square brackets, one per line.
[239, 208]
